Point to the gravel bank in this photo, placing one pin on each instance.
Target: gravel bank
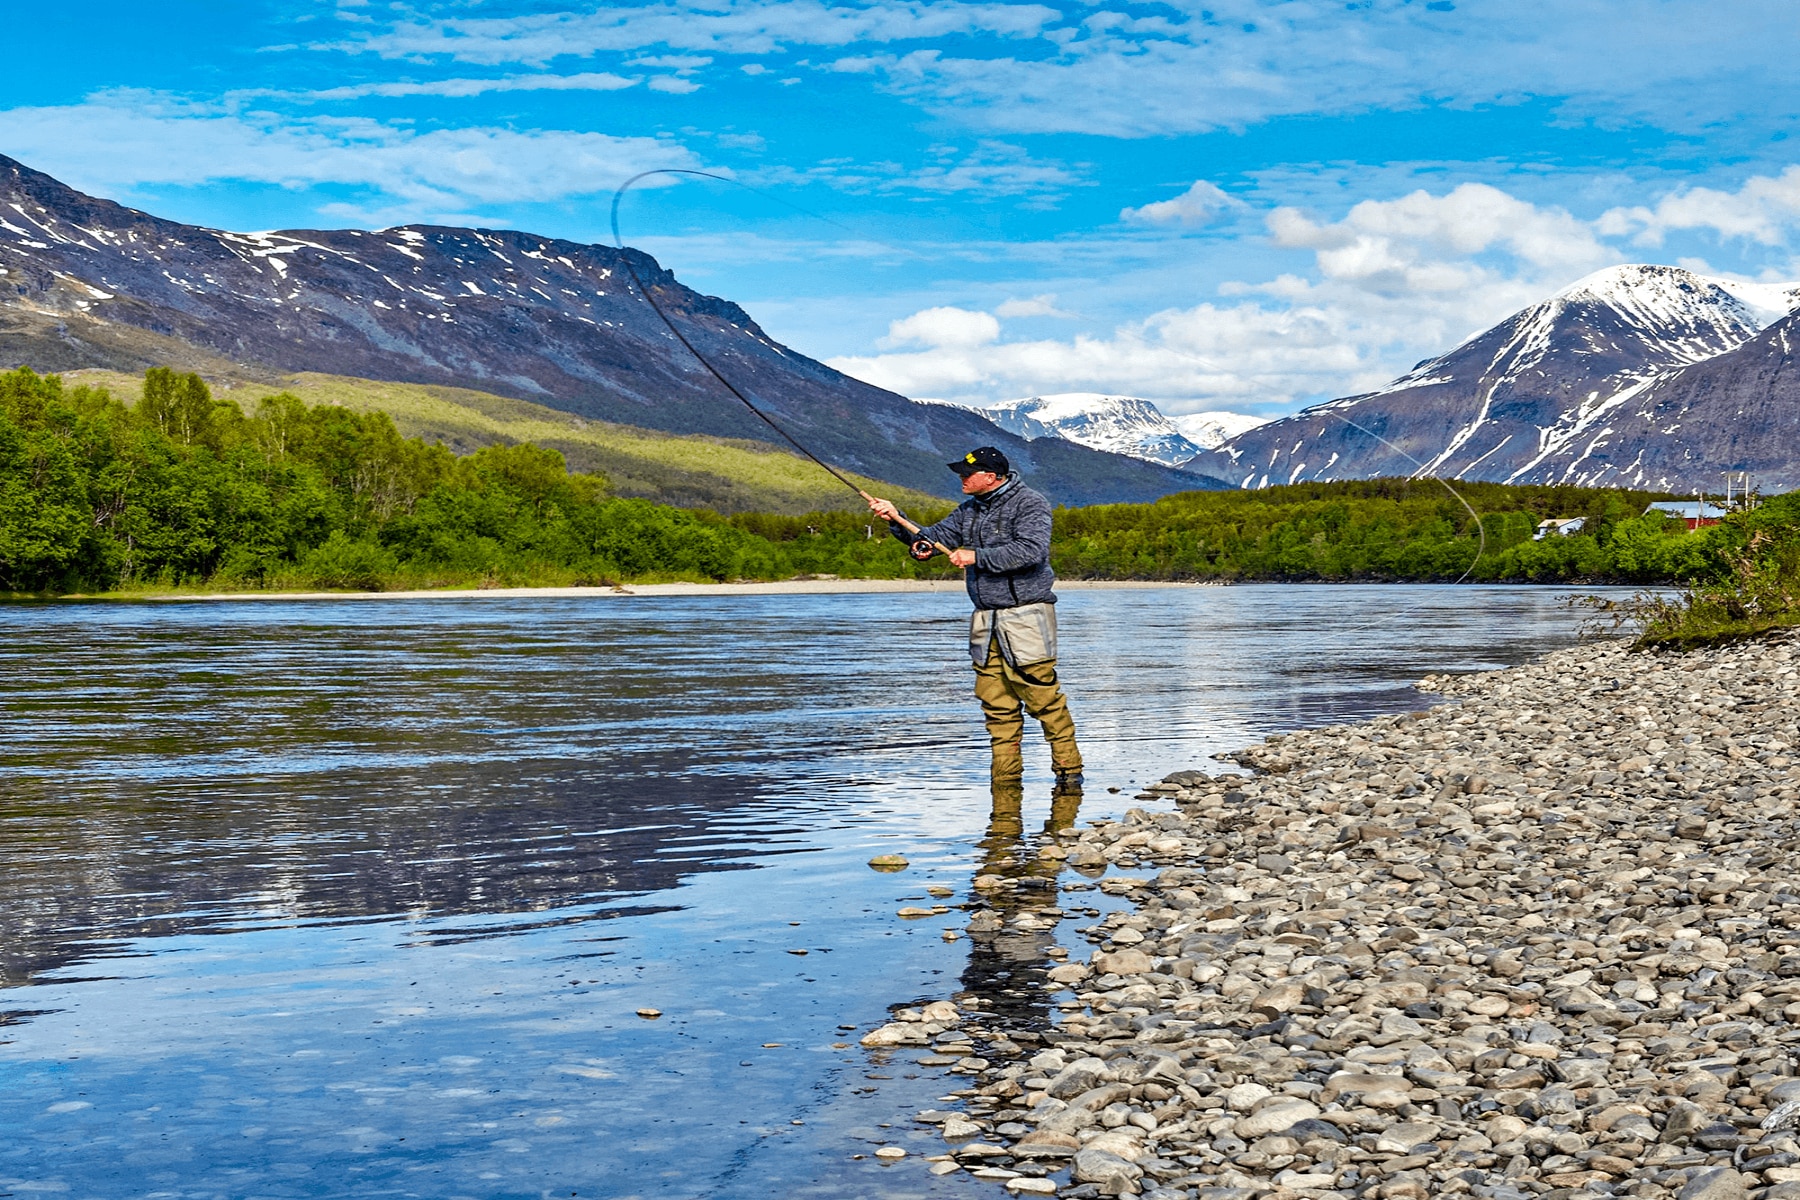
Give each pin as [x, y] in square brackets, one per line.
[1541, 941]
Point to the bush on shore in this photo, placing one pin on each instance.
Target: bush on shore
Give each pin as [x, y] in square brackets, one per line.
[1755, 587]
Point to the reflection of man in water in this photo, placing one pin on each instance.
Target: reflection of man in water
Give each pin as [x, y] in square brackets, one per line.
[1000, 536]
[1007, 943]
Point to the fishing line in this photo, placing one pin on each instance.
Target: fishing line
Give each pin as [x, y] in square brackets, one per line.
[619, 242]
[1480, 526]
[790, 439]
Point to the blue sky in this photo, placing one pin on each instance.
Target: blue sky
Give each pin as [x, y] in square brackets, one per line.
[1241, 205]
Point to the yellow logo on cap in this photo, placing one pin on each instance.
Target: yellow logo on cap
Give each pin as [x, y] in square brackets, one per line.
[969, 458]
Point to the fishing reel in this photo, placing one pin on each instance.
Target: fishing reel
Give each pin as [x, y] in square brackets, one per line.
[922, 548]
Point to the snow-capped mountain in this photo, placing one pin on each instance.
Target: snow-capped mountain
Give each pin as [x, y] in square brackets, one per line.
[85, 282]
[1630, 377]
[1121, 424]
[1210, 430]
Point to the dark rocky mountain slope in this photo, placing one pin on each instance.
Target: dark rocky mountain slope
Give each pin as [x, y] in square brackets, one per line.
[85, 282]
[1637, 376]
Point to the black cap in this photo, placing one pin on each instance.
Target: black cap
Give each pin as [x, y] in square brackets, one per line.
[982, 458]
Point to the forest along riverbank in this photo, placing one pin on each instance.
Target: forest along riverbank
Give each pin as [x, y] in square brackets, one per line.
[1544, 941]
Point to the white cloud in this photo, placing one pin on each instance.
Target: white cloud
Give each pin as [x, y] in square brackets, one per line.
[943, 328]
[1033, 306]
[672, 62]
[120, 140]
[675, 85]
[1201, 204]
[1422, 244]
[589, 81]
[996, 168]
[1764, 210]
[1187, 360]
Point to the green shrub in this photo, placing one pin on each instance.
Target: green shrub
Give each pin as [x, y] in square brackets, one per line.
[343, 562]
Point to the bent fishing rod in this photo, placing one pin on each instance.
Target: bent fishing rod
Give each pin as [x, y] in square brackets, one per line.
[650, 298]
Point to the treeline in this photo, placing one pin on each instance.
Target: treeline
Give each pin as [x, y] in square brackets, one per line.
[184, 489]
[1384, 529]
[187, 490]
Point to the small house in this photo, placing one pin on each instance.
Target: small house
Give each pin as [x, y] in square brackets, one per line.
[1695, 513]
[1560, 526]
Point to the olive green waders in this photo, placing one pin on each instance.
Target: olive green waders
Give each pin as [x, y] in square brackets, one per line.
[1007, 693]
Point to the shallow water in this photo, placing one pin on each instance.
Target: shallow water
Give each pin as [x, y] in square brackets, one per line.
[361, 897]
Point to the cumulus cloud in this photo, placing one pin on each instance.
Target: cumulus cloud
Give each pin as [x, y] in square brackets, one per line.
[1201, 204]
[1426, 244]
[1243, 354]
[120, 140]
[1764, 210]
[943, 328]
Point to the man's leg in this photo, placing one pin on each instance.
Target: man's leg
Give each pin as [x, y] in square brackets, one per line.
[1037, 688]
[1000, 709]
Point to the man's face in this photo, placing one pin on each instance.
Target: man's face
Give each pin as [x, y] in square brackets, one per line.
[977, 482]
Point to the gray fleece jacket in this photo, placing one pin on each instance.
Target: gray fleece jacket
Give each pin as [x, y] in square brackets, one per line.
[1009, 530]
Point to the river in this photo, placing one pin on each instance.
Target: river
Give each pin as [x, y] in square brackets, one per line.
[359, 898]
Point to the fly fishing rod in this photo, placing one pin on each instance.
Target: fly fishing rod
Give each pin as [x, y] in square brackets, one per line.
[650, 298]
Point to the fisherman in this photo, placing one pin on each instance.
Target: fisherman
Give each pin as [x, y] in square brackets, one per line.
[1001, 540]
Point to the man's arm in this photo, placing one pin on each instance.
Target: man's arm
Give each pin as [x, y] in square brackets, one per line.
[939, 537]
[1030, 543]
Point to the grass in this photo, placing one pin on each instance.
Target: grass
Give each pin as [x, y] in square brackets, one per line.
[693, 471]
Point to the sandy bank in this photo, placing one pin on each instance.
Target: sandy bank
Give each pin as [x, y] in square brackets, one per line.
[1544, 942]
[785, 587]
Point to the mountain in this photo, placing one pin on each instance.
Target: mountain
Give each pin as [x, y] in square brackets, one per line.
[1121, 424]
[85, 282]
[1637, 376]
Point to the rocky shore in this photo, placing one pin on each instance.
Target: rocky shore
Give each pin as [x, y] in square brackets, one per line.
[1540, 941]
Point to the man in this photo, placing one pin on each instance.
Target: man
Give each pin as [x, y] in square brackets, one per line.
[1000, 537]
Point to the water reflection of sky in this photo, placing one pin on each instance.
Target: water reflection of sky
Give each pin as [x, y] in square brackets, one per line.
[361, 897]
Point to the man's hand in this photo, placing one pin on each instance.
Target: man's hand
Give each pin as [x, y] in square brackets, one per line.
[962, 558]
[885, 509]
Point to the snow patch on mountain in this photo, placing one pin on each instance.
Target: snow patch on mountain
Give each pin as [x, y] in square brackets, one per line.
[1210, 430]
[1769, 302]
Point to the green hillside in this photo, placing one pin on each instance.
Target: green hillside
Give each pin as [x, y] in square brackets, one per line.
[692, 471]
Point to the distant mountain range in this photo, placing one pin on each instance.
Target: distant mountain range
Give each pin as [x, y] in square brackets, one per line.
[85, 282]
[1120, 424]
[1637, 376]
